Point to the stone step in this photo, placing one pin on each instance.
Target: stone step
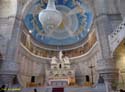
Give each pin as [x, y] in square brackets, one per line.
[49, 89]
[37, 90]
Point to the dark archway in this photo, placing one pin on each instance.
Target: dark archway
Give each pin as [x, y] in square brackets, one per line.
[1, 57]
[60, 66]
[87, 78]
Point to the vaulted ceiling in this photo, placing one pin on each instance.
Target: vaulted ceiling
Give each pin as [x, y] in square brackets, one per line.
[76, 24]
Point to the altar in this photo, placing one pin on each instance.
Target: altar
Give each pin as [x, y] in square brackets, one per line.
[60, 73]
[58, 82]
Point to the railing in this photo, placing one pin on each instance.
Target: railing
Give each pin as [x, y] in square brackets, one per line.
[28, 43]
[25, 52]
[117, 36]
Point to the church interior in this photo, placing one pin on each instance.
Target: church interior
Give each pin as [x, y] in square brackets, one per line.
[62, 45]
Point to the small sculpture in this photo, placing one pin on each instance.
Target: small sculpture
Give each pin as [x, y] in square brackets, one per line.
[66, 60]
[60, 56]
[54, 60]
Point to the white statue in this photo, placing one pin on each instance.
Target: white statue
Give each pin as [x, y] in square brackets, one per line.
[54, 60]
[60, 56]
[66, 60]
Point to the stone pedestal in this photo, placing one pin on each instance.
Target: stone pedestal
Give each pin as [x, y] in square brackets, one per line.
[107, 69]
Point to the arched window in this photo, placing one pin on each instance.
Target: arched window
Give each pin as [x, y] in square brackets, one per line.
[87, 78]
[60, 66]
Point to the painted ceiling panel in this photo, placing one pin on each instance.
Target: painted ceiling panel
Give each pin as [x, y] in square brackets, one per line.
[77, 20]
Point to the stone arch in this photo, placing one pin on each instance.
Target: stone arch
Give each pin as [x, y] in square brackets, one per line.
[119, 55]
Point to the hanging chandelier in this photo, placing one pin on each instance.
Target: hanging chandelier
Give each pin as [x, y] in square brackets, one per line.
[50, 18]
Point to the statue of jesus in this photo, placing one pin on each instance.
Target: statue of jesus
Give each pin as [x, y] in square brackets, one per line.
[60, 56]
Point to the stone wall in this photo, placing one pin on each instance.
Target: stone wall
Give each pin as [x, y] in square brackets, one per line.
[8, 10]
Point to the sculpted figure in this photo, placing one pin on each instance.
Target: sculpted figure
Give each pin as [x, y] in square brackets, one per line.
[54, 59]
[60, 56]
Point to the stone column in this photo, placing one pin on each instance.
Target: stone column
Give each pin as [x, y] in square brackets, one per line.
[106, 63]
[107, 69]
[9, 67]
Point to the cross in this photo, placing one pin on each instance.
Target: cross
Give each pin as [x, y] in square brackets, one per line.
[91, 67]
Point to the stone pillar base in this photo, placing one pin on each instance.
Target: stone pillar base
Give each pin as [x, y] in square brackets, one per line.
[107, 69]
[111, 77]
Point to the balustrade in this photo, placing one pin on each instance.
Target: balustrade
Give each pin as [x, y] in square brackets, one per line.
[30, 45]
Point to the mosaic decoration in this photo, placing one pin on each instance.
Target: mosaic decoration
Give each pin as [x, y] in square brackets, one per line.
[77, 20]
